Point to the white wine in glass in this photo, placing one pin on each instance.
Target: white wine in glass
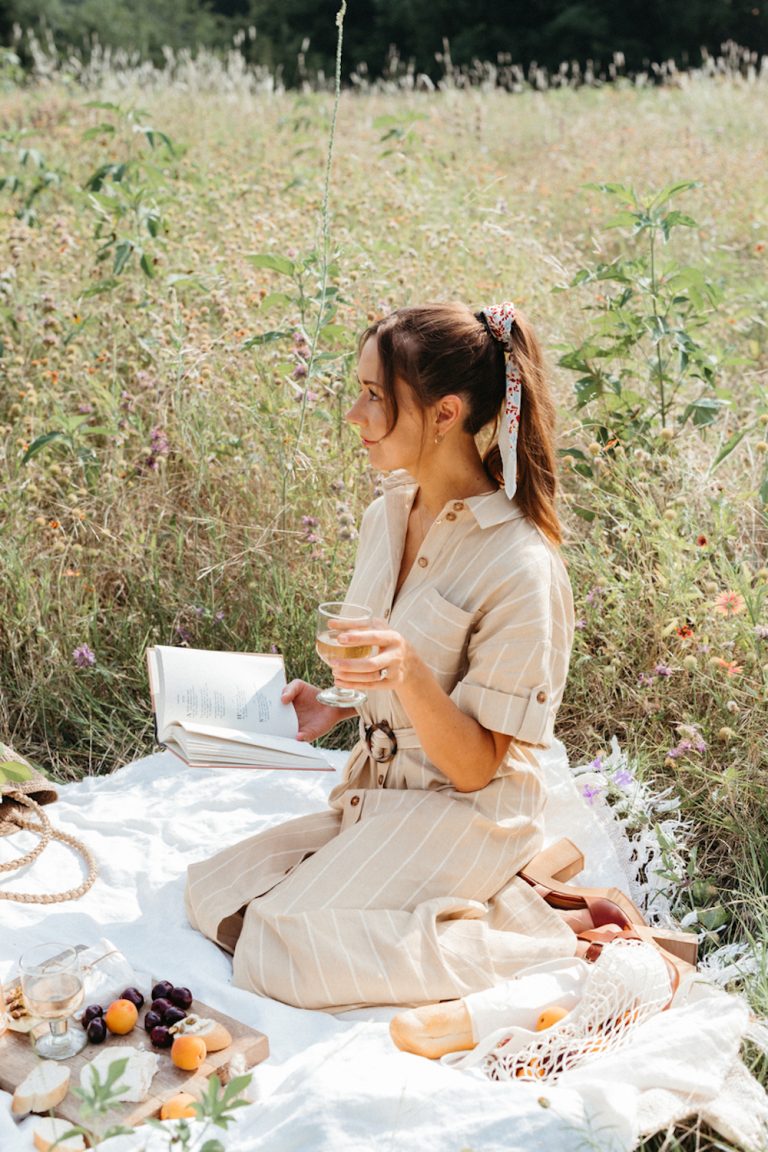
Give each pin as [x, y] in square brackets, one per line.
[52, 983]
[332, 618]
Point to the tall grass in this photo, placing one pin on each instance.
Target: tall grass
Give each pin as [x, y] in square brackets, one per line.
[155, 368]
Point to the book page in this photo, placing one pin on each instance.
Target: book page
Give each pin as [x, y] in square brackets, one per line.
[222, 689]
[238, 745]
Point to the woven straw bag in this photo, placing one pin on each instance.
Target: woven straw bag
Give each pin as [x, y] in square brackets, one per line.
[23, 791]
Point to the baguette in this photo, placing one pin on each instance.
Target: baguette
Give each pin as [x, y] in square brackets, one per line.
[45, 1087]
[434, 1029]
[47, 1135]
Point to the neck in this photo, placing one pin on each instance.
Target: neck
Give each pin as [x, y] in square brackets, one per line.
[456, 477]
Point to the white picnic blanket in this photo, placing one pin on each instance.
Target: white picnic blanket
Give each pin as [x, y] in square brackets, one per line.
[337, 1084]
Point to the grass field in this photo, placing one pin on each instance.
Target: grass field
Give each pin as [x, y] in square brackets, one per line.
[167, 480]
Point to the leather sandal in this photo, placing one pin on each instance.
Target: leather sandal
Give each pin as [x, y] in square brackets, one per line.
[548, 882]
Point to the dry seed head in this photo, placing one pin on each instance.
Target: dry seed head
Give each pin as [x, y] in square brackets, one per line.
[726, 734]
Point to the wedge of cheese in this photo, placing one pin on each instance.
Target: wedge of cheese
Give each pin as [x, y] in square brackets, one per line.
[136, 1078]
[48, 1133]
[45, 1087]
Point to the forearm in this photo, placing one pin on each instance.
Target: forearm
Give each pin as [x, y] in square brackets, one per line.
[461, 748]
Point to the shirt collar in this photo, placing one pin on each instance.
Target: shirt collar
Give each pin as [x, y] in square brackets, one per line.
[488, 510]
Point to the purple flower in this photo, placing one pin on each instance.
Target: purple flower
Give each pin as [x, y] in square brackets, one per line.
[644, 680]
[663, 670]
[83, 657]
[183, 635]
[158, 443]
[588, 792]
[761, 631]
[218, 617]
[623, 778]
[580, 624]
[310, 521]
[594, 594]
[597, 764]
[300, 371]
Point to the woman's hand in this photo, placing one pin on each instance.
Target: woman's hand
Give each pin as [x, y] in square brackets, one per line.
[315, 719]
[391, 668]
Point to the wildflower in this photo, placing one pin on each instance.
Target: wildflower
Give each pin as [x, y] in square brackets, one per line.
[218, 616]
[644, 680]
[623, 778]
[690, 663]
[761, 631]
[729, 604]
[594, 594]
[662, 670]
[733, 708]
[183, 634]
[597, 764]
[685, 631]
[589, 792]
[580, 624]
[83, 656]
[701, 541]
[730, 667]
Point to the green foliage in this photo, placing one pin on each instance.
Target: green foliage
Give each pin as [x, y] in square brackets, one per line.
[645, 364]
[126, 196]
[26, 176]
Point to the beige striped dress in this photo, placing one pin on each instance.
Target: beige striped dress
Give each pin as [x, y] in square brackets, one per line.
[405, 890]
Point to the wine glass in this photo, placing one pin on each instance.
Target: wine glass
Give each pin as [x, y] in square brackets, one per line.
[332, 618]
[52, 983]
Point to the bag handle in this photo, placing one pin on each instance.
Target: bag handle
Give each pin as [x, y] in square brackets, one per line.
[46, 832]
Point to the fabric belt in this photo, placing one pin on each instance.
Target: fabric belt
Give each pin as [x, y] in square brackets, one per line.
[383, 741]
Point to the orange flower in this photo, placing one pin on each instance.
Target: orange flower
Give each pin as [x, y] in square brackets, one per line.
[730, 667]
[729, 604]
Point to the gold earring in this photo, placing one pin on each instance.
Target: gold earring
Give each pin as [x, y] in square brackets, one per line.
[439, 437]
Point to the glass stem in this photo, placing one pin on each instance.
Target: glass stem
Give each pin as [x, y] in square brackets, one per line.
[58, 1030]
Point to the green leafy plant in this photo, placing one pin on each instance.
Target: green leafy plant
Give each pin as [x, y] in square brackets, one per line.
[27, 176]
[647, 364]
[126, 194]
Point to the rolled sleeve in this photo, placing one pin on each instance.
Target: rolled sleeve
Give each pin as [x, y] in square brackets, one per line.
[517, 657]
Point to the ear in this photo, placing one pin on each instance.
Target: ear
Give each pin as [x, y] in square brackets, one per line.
[449, 412]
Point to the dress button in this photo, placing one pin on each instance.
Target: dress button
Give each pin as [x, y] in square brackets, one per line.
[423, 561]
[541, 697]
[380, 780]
[450, 515]
[355, 800]
[458, 506]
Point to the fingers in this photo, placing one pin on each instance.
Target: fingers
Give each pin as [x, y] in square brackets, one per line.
[292, 690]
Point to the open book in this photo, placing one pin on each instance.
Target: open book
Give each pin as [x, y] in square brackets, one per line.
[223, 710]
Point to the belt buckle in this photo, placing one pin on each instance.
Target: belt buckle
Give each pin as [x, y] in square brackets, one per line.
[381, 755]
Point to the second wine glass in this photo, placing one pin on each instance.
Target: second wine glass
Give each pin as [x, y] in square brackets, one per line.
[52, 983]
[334, 617]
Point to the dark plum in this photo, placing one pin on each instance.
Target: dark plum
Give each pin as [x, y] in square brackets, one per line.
[162, 989]
[161, 1005]
[152, 1020]
[161, 1037]
[92, 1012]
[172, 1016]
[181, 997]
[134, 996]
[97, 1030]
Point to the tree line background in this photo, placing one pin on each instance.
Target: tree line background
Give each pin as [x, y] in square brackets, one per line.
[545, 31]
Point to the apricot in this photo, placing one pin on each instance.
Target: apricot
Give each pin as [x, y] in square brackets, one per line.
[188, 1052]
[180, 1106]
[121, 1017]
[552, 1015]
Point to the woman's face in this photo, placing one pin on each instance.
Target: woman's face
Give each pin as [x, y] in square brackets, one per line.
[402, 447]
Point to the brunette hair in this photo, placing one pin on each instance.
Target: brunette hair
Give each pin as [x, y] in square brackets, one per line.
[446, 349]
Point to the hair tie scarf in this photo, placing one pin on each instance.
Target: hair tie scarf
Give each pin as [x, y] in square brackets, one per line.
[500, 319]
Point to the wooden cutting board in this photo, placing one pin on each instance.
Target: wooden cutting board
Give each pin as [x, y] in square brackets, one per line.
[18, 1058]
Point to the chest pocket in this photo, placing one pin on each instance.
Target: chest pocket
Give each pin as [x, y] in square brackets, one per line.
[439, 631]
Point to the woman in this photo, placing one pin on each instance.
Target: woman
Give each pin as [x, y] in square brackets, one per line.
[406, 890]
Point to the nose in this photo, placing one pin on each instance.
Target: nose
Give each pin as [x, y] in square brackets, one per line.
[353, 416]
